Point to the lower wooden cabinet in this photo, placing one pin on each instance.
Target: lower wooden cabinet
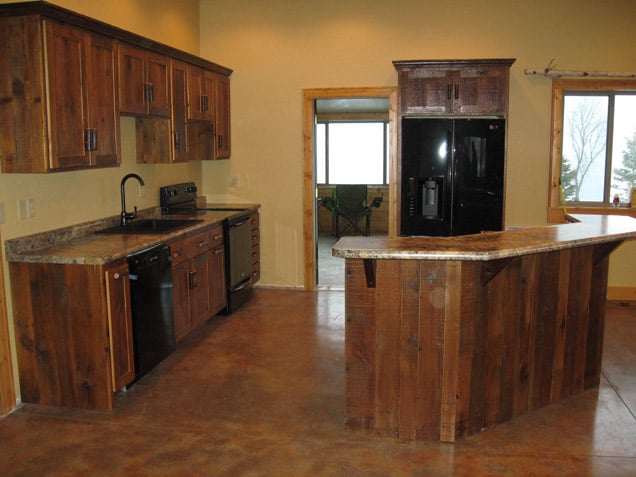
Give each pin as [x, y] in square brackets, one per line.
[198, 278]
[73, 332]
[256, 247]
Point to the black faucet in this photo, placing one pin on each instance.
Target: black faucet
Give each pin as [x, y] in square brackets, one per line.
[126, 216]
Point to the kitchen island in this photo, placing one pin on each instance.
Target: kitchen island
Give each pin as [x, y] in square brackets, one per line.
[447, 336]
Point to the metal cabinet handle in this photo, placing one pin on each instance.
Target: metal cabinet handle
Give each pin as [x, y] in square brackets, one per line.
[456, 91]
[192, 280]
[217, 237]
[203, 243]
[177, 253]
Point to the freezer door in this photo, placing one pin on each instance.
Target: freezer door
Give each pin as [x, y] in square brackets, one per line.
[426, 187]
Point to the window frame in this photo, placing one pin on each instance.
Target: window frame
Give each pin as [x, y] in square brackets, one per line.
[557, 210]
[386, 152]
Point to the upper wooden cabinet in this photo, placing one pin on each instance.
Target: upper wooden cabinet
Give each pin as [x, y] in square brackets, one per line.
[453, 87]
[58, 104]
[144, 82]
[60, 86]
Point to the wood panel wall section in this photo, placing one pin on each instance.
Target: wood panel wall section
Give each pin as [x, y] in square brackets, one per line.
[441, 349]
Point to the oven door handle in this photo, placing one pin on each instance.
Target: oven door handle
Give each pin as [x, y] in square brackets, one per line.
[245, 284]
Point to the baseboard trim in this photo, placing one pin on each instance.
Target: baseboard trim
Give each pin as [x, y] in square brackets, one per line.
[621, 293]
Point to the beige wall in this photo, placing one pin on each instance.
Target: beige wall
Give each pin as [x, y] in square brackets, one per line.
[278, 48]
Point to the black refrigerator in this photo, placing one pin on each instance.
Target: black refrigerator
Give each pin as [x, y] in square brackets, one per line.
[452, 176]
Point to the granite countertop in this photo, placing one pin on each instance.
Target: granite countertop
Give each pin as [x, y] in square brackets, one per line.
[585, 230]
[79, 244]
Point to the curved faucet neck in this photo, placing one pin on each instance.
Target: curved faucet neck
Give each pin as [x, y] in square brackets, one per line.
[125, 216]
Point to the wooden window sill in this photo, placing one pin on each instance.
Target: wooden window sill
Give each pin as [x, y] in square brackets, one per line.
[556, 214]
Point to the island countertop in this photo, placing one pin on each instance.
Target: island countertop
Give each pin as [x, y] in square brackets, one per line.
[584, 230]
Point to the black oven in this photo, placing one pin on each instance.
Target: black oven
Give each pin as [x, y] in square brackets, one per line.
[180, 199]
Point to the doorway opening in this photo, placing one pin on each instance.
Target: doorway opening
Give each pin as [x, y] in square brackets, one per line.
[339, 107]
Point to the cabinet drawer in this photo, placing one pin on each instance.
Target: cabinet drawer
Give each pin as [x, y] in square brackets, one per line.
[195, 244]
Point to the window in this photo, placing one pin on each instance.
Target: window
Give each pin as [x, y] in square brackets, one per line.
[352, 152]
[594, 142]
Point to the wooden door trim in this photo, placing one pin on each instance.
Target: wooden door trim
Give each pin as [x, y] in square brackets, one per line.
[7, 387]
[309, 202]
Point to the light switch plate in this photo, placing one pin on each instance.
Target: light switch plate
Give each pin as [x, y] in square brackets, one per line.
[23, 210]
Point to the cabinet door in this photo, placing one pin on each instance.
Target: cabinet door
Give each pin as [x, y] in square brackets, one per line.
[199, 284]
[195, 93]
[132, 80]
[158, 84]
[222, 117]
[425, 91]
[482, 91]
[103, 117]
[208, 91]
[120, 326]
[216, 267]
[65, 53]
[179, 112]
[181, 298]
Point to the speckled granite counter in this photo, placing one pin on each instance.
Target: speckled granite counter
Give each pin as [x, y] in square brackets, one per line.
[589, 229]
[80, 244]
[445, 337]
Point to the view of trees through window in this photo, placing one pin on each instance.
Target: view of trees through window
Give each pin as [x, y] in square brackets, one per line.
[352, 152]
[599, 147]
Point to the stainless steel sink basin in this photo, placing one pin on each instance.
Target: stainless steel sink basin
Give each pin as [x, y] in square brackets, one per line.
[149, 226]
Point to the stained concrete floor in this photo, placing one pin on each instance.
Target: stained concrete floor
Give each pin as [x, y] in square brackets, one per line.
[260, 393]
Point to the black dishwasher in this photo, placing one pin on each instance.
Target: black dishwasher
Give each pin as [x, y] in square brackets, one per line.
[152, 307]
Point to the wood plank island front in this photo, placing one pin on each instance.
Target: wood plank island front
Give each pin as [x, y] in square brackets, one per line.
[447, 336]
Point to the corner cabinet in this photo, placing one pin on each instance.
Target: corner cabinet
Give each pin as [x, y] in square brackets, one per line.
[59, 110]
[208, 114]
[74, 348]
[198, 278]
[453, 87]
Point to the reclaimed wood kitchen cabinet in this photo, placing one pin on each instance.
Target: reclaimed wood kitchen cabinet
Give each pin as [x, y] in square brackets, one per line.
[73, 332]
[60, 97]
[463, 87]
[198, 278]
[58, 104]
[144, 82]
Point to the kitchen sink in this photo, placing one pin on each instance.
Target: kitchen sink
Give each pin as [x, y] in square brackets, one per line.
[149, 226]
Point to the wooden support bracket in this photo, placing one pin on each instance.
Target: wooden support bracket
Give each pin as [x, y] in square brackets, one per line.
[491, 268]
